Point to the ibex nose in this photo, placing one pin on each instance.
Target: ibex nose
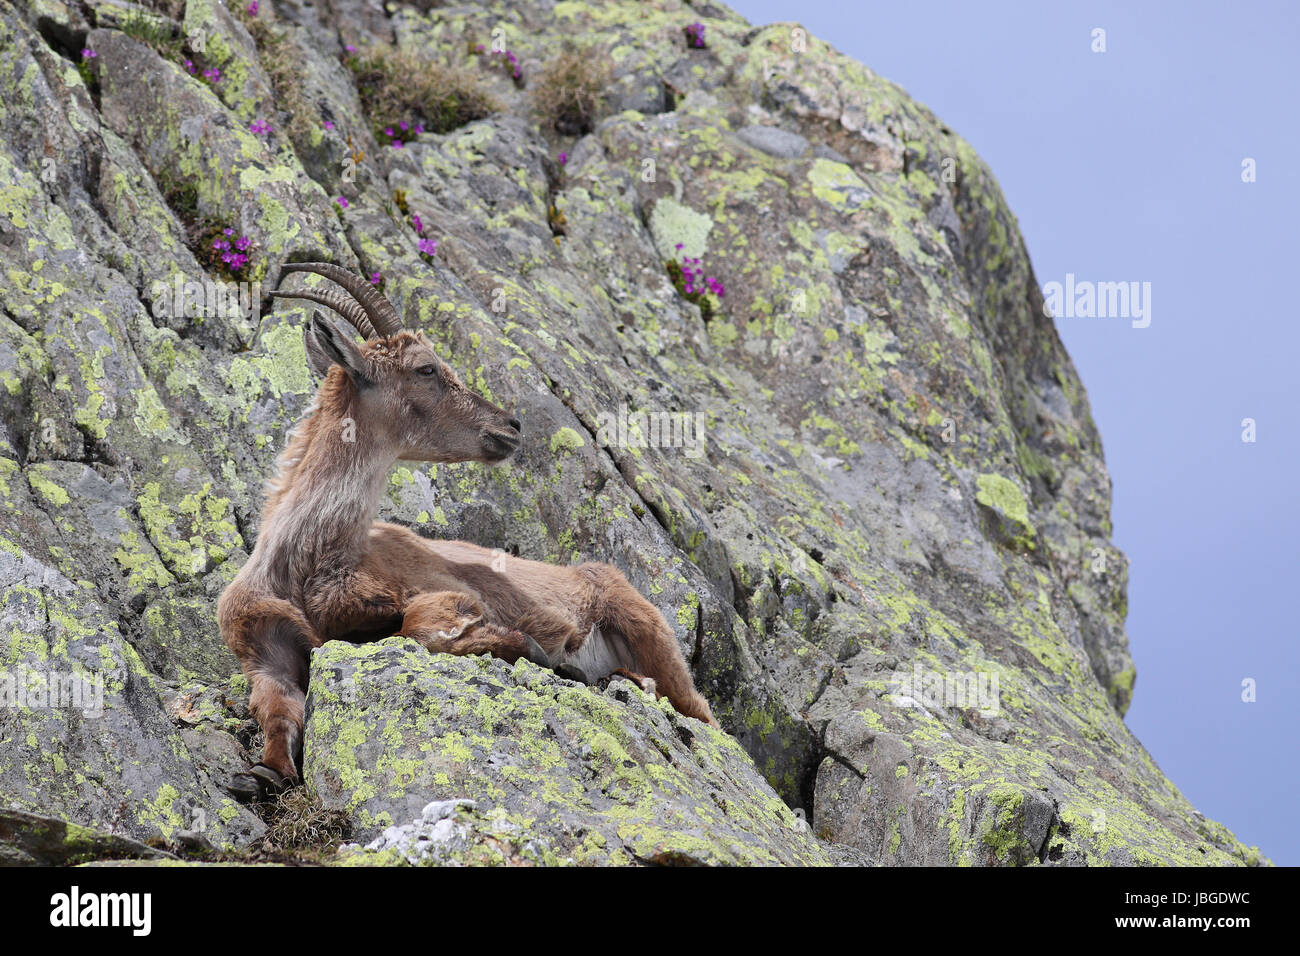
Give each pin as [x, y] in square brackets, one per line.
[515, 423]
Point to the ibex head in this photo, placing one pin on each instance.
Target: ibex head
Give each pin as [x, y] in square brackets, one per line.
[403, 390]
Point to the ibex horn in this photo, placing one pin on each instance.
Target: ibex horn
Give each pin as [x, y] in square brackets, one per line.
[367, 309]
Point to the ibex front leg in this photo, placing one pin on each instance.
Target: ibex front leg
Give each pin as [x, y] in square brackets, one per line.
[272, 640]
[452, 622]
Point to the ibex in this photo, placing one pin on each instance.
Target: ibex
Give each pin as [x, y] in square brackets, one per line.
[323, 569]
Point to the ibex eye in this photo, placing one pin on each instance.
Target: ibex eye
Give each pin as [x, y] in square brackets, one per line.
[427, 369]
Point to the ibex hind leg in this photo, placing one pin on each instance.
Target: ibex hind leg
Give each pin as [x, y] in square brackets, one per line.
[622, 610]
[452, 622]
[273, 651]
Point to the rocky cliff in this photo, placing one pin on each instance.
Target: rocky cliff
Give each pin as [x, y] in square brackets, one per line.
[779, 355]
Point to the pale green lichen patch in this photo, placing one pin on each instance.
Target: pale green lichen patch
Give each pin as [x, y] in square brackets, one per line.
[526, 746]
[672, 223]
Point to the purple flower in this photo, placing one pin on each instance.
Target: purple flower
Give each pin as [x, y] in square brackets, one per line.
[350, 48]
[564, 158]
[251, 9]
[415, 221]
[329, 124]
[388, 131]
[428, 246]
[189, 66]
[419, 128]
[342, 201]
[259, 128]
[398, 144]
[88, 54]
[403, 126]
[376, 278]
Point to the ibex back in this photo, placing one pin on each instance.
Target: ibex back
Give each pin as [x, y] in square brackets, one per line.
[324, 569]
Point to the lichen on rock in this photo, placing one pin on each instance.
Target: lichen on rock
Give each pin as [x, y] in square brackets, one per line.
[568, 774]
[898, 469]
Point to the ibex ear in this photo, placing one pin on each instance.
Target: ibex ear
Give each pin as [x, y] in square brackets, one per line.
[328, 345]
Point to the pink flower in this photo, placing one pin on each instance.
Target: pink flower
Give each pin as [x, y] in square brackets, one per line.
[428, 246]
[329, 124]
[376, 278]
[88, 54]
[342, 201]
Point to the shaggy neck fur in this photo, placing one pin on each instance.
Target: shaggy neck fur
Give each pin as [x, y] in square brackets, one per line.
[321, 503]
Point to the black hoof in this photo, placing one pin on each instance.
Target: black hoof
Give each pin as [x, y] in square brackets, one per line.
[258, 782]
[537, 655]
[572, 672]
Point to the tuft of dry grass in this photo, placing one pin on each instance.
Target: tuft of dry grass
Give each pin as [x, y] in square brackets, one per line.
[570, 90]
[297, 821]
[396, 86]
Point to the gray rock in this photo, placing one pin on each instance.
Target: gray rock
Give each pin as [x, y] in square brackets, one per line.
[31, 839]
[560, 772]
[774, 141]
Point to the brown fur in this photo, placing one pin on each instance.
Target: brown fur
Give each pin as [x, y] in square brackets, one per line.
[323, 569]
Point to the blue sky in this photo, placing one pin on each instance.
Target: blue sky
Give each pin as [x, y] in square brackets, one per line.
[1126, 166]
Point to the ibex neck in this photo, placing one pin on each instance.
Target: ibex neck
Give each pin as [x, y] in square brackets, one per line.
[320, 520]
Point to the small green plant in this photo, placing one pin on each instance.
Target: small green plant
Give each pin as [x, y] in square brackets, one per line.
[154, 32]
[504, 60]
[570, 90]
[226, 252]
[86, 67]
[217, 246]
[405, 95]
[688, 278]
